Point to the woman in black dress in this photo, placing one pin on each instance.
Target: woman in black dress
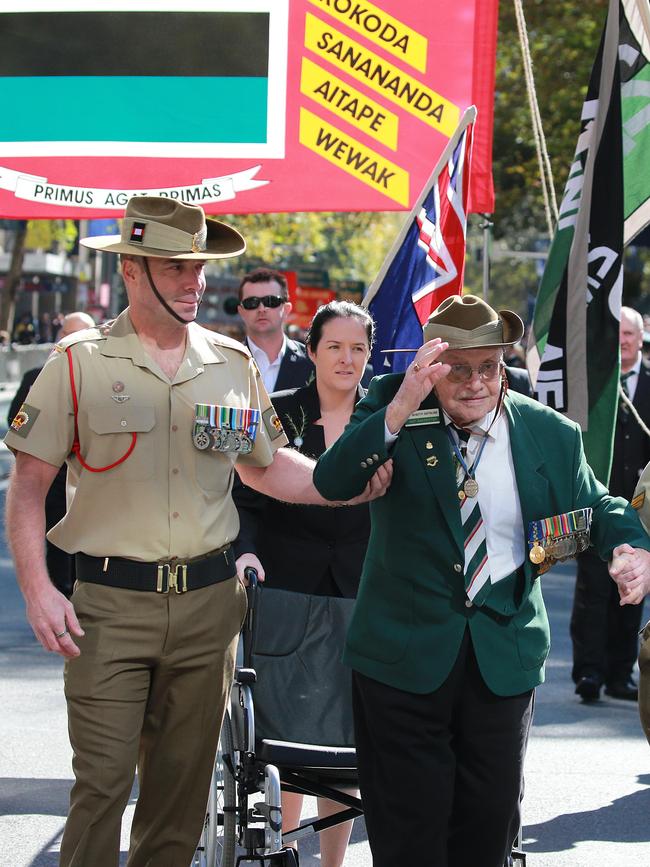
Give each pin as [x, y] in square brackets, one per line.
[314, 549]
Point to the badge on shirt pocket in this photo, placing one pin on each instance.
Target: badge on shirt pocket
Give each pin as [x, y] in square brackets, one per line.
[225, 428]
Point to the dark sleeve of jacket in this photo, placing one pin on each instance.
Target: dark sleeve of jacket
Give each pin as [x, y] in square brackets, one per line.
[296, 369]
[519, 380]
[21, 393]
[251, 505]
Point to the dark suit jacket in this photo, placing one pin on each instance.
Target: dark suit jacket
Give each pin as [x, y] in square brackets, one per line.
[410, 616]
[296, 369]
[309, 549]
[631, 444]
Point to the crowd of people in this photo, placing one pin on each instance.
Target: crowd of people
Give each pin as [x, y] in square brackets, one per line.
[190, 457]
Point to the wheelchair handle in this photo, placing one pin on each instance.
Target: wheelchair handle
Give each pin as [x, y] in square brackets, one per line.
[250, 574]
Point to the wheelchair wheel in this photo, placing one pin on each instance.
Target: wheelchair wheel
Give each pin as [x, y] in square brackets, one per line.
[219, 838]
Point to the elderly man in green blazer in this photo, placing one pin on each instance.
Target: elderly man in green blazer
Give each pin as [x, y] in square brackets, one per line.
[450, 634]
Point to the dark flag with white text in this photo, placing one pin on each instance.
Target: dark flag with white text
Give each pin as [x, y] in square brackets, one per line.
[573, 355]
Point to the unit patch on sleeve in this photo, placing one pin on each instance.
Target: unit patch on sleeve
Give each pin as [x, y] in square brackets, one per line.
[272, 423]
[24, 420]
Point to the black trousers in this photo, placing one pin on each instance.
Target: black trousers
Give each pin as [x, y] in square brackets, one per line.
[441, 774]
[605, 635]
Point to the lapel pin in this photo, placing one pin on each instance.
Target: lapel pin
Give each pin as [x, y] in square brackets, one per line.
[432, 461]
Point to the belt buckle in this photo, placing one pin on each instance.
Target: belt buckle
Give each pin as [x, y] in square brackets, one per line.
[172, 576]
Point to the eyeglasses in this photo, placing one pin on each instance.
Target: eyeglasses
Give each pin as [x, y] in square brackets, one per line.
[487, 371]
[254, 301]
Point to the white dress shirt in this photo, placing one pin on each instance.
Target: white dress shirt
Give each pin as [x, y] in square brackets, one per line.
[269, 370]
[498, 497]
[633, 379]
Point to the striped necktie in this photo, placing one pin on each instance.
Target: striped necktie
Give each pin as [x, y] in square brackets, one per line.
[623, 408]
[477, 567]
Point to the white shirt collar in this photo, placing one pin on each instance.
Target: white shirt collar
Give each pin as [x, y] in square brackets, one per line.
[260, 354]
[481, 427]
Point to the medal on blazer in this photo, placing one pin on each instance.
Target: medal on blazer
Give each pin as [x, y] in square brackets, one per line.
[558, 538]
[470, 485]
[225, 428]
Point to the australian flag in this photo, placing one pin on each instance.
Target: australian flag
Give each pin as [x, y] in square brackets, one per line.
[427, 261]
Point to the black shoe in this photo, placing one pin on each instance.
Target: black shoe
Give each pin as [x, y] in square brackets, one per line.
[588, 688]
[624, 689]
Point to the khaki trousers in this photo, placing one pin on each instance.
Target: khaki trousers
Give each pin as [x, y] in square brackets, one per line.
[149, 689]
[644, 680]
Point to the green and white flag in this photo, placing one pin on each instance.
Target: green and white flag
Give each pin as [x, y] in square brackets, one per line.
[573, 354]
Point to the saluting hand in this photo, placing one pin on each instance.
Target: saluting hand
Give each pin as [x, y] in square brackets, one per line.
[419, 379]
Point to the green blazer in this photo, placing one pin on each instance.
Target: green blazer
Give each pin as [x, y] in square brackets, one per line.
[411, 610]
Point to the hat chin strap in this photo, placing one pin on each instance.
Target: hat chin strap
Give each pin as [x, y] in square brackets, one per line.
[162, 300]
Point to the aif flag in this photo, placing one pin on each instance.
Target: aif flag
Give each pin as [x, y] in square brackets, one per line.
[573, 355]
[427, 261]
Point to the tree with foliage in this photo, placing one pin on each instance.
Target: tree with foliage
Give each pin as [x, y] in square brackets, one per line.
[563, 39]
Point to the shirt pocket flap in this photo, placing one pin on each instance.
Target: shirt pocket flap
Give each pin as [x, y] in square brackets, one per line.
[121, 419]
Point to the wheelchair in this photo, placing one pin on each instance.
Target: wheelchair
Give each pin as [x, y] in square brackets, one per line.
[289, 703]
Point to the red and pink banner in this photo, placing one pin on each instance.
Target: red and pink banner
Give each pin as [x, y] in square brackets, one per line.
[239, 105]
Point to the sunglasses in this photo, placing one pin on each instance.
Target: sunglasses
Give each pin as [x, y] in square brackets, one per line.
[488, 371]
[254, 301]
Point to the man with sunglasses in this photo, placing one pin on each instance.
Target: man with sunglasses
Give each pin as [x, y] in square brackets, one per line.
[449, 635]
[264, 307]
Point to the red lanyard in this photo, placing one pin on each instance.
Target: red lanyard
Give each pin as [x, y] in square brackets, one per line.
[76, 446]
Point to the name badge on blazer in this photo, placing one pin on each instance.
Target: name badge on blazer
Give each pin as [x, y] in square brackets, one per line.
[422, 417]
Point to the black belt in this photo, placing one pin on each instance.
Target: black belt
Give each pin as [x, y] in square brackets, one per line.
[178, 575]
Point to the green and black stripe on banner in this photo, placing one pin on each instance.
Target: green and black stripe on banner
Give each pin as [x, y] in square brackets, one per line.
[573, 353]
[134, 76]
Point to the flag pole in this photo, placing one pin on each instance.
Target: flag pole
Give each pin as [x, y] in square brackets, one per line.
[469, 116]
[487, 231]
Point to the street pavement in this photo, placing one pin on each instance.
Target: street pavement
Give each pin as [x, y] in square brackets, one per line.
[587, 800]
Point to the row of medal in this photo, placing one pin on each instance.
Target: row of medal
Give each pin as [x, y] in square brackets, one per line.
[559, 537]
[225, 428]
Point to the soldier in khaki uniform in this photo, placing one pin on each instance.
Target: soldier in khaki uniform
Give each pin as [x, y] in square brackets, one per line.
[151, 414]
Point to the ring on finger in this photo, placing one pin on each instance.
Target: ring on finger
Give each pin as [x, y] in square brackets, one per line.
[60, 634]
[416, 366]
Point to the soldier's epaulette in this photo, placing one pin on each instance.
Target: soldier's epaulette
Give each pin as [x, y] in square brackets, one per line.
[224, 342]
[99, 332]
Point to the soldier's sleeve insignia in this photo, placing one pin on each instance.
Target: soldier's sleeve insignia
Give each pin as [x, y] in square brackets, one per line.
[24, 420]
[638, 501]
[272, 423]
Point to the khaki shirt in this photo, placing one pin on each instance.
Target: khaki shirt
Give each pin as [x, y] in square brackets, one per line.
[168, 498]
[641, 498]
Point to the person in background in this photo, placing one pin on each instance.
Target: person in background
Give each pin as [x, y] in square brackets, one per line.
[311, 549]
[264, 307]
[605, 635]
[24, 330]
[60, 564]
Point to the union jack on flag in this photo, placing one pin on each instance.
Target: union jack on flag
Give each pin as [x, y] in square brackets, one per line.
[427, 261]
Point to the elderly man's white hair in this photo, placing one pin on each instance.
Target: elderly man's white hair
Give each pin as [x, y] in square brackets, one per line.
[75, 322]
[633, 317]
